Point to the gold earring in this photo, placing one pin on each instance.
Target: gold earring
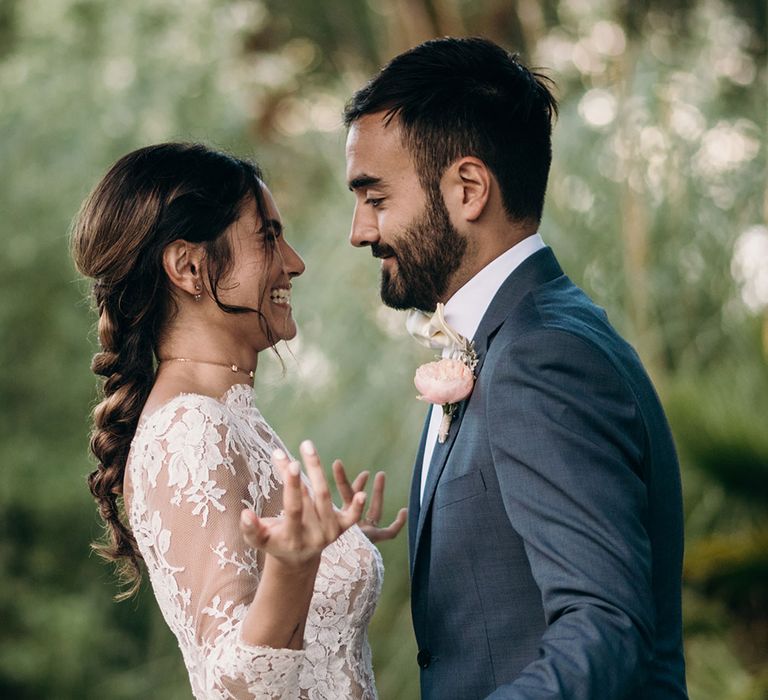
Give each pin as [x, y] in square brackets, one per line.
[198, 296]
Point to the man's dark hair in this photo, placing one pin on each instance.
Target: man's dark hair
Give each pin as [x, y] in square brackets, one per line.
[459, 97]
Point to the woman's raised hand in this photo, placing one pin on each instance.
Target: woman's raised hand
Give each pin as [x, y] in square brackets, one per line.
[310, 522]
[370, 524]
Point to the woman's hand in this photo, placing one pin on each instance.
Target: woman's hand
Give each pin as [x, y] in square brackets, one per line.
[310, 522]
[370, 524]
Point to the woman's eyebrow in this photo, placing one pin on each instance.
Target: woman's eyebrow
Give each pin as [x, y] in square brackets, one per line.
[273, 226]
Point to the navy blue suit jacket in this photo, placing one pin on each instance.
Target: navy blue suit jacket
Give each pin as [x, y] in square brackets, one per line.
[546, 554]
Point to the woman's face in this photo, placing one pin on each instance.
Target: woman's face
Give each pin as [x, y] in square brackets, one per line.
[263, 265]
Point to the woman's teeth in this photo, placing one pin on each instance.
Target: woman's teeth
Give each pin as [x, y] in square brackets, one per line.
[281, 296]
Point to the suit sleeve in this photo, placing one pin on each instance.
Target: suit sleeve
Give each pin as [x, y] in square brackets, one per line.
[567, 440]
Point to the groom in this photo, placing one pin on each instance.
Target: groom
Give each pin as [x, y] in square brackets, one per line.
[546, 530]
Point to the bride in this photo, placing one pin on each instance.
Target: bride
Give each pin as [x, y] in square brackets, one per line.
[267, 587]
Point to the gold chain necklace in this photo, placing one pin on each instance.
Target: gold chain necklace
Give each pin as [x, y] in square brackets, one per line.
[234, 368]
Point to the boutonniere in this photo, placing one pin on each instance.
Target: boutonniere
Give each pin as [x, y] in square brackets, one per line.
[450, 380]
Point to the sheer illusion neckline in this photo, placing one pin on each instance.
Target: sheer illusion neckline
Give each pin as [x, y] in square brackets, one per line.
[238, 395]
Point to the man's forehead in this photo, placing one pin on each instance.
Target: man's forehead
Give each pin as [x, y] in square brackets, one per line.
[374, 127]
[372, 143]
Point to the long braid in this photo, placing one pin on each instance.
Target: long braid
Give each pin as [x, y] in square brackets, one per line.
[126, 363]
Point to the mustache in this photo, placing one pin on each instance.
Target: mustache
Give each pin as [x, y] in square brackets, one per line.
[379, 250]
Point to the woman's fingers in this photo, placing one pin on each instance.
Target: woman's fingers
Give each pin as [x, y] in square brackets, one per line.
[353, 512]
[360, 481]
[310, 518]
[345, 489]
[377, 499]
[254, 532]
[342, 483]
[377, 534]
[321, 492]
[313, 528]
[292, 499]
[389, 533]
[370, 524]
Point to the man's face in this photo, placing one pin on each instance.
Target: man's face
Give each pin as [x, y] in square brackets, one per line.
[408, 229]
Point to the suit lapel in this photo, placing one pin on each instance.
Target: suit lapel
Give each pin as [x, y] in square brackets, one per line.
[436, 466]
[539, 268]
[414, 501]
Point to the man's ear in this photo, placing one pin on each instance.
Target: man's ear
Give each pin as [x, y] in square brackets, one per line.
[467, 188]
[182, 263]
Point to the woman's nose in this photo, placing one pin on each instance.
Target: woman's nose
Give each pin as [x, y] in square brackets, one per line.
[292, 261]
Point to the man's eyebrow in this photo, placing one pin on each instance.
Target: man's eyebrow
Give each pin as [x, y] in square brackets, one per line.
[363, 181]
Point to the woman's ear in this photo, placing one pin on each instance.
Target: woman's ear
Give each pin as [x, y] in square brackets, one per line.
[467, 188]
[182, 262]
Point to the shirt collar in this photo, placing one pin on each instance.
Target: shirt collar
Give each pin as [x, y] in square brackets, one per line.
[466, 308]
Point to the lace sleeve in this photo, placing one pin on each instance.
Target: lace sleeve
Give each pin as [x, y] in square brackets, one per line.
[192, 473]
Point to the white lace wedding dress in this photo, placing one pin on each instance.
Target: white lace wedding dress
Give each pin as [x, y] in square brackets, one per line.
[194, 464]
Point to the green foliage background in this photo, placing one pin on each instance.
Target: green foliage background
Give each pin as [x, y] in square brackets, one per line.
[657, 206]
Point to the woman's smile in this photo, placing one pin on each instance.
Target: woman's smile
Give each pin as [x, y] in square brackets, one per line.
[281, 296]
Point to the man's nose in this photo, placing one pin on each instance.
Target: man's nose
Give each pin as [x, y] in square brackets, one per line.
[364, 228]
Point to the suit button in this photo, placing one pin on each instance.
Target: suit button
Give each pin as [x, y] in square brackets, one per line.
[423, 658]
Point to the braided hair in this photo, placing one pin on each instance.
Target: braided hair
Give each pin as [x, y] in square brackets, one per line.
[148, 199]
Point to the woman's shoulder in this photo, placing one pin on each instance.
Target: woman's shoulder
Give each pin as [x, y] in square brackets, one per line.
[191, 436]
[195, 413]
[205, 446]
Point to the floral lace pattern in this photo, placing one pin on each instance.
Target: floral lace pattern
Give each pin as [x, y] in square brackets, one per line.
[194, 464]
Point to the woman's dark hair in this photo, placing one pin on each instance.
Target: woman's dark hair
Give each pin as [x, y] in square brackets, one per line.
[458, 97]
[148, 199]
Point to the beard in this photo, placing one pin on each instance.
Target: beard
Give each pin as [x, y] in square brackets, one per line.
[428, 252]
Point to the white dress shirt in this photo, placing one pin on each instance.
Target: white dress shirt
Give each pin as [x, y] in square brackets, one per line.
[464, 311]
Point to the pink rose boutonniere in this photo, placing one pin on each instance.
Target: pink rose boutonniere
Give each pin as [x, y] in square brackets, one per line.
[449, 381]
[445, 383]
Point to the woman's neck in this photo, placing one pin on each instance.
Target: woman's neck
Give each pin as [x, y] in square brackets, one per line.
[193, 362]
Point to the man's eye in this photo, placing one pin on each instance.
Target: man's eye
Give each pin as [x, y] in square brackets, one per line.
[374, 201]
